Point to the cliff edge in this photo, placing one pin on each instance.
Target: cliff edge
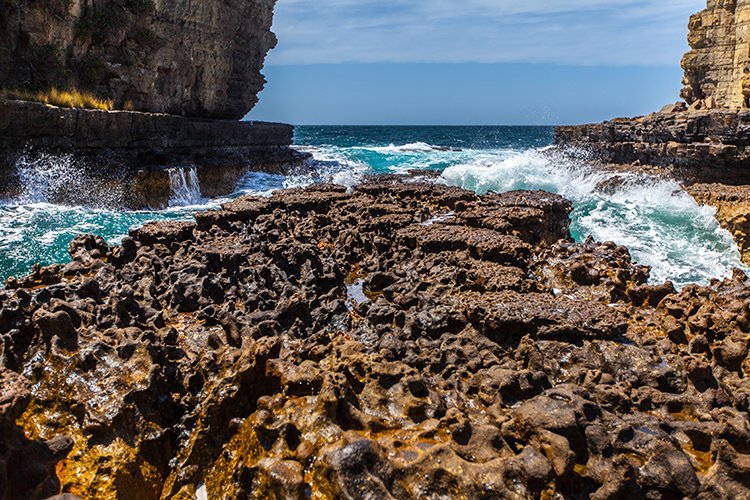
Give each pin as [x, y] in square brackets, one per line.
[182, 57]
[179, 74]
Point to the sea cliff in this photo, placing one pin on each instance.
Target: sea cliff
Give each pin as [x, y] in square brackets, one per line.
[178, 57]
[125, 158]
[717, 67]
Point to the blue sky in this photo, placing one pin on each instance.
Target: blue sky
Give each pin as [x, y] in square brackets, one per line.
[473, 61]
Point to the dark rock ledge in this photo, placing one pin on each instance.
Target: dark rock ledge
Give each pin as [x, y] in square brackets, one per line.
[407, 340]
[127, 154]
[703, 145]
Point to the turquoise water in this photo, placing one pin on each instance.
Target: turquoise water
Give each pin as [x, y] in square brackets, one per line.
[661, 224]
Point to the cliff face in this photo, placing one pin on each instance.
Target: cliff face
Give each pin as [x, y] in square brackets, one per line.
[186, 57]
[717, 68]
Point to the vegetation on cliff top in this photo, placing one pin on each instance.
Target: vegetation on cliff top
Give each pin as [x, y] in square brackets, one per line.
[63, 98]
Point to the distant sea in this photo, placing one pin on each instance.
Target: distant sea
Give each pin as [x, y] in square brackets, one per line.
[661, 224]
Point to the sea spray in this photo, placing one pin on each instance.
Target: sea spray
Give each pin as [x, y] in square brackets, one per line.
[65, 179]
[662, 226]
[185, 186]
[45, 178]
[40, 232]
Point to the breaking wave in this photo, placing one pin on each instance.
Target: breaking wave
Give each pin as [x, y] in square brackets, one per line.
[660, 223]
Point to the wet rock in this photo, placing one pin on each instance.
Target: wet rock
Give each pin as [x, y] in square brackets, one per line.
[164, 233]
[400, 340]
[27, 468]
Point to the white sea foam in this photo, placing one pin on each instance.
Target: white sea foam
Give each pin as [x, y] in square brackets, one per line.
[414, 147]
[185, 186]
[661, 224]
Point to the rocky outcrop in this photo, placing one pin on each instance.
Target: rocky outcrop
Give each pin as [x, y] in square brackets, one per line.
[127, 156]
[27, 468]
[183, 57]
[706, 144]
[732, 204]
[717, 67]
[712, 130]
[403, 340]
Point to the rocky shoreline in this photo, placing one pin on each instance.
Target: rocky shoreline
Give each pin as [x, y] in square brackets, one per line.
[178, 73]
[704, 142]
[402, 340]
[694, 145]
[707, 151]
[126, 156]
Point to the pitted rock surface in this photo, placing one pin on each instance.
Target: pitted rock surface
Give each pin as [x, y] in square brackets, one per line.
[403, 340]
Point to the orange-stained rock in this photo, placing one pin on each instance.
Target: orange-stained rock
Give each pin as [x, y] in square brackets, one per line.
[404, 340]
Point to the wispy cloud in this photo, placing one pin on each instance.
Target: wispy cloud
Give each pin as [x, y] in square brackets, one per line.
[582, 32]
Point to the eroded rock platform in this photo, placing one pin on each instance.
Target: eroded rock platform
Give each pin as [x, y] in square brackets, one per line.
[405, 340]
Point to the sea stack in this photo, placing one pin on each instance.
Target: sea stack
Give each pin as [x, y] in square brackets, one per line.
[177, 75]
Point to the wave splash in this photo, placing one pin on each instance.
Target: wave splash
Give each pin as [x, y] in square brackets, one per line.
[661, 224]
[185, 186]
[58, 178]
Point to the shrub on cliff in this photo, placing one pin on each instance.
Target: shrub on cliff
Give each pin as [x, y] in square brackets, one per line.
[61, 98]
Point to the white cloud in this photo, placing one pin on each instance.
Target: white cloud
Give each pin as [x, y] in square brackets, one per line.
[584, 32]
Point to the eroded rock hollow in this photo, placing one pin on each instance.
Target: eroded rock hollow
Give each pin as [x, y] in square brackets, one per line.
[404, 340]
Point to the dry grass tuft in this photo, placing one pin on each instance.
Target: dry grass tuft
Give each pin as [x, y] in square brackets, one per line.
[62, 98]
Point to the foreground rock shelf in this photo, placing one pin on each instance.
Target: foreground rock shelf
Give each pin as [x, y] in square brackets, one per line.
[405, 340]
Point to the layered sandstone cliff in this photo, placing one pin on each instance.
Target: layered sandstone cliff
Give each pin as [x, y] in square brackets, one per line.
[717, 68]
[184, 57]
[712, 129]
[123, 158]
[180, 73]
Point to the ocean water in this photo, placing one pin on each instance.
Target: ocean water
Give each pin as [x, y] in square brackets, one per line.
[661, 224]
